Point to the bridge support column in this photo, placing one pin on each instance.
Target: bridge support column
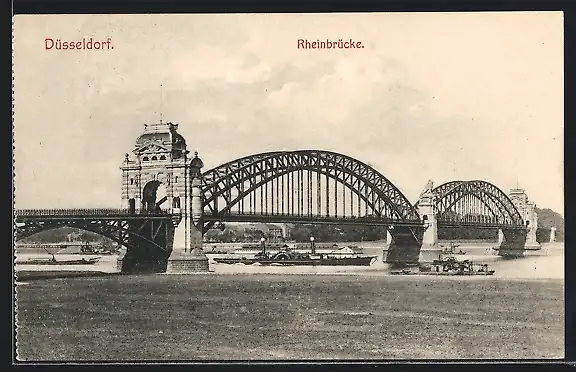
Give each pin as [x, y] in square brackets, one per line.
[189, 258]
[513, 244]
[528, 212]
[552, 234]
[500, 236]
[144, 256]
[187, 254]
[531, 242]
[404, 247]
[430, 249]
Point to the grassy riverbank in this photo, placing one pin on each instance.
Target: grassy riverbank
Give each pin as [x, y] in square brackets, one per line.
[289, 317]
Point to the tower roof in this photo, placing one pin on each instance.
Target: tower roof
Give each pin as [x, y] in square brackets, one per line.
[164, 134]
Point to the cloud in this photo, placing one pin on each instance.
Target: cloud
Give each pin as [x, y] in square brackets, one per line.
[332, 97]
[441, 96]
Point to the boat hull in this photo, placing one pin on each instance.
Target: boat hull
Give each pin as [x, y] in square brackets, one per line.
[353, 261]
[442, 273]
[79, 262]
[232, 261]
[356, 261]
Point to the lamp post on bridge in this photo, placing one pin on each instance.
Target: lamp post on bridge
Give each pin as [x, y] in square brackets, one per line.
[263, 244]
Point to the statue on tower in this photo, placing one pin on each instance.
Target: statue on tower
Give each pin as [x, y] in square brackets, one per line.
[427, 192]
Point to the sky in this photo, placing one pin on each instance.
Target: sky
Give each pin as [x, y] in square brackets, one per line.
[440, 96]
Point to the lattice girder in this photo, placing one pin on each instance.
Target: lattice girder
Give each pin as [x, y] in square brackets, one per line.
[490, 196]
[247, 174]
[114, 229]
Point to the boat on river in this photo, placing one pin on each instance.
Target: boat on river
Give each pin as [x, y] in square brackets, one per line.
[288, 257]
[452, 250]
[448, 266]
[53, 261]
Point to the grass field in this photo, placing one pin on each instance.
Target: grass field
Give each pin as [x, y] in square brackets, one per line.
[216, 317]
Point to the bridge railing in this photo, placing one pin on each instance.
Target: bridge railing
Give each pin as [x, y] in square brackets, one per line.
[56, 245]
[84, 212]
[264, 214]
[478, 219]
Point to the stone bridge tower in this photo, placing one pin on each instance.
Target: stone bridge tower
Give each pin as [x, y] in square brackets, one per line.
[154, 177]
[528, 212]
[161, 177]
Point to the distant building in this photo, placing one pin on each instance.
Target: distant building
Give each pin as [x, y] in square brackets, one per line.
[275, 233]
[271, 232]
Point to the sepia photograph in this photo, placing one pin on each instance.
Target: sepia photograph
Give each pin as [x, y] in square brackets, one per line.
[310, 187]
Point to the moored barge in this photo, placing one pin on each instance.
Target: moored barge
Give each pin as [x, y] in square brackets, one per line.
[448, 266]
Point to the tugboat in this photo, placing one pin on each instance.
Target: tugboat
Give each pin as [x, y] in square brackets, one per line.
[449, 266]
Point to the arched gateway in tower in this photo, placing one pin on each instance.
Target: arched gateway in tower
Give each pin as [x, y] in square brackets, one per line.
[161, 178]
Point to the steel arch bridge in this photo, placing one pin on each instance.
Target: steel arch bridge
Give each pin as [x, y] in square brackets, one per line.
[311, 186]
[475, 203]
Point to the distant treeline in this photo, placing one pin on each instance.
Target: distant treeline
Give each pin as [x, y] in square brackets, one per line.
[63, 234]
[301, 233]
[337, 233]
[548, 218]
[467, 233]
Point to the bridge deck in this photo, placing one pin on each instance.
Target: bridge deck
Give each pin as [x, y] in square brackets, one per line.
[115, 214]
[480, 225]
[287, 218]
[87, 214]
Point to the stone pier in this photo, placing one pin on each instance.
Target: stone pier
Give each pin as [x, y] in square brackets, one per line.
[187, 253]
[404, 248]
[512, 240]
[388, 236]
[430, 249]
[513, 243]
[552, 235]
[500, 236]
[417, 244]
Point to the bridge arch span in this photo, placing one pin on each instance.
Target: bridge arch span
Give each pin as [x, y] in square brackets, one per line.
[477, 200]
[237, 180]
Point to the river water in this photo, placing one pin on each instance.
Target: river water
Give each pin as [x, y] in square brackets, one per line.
[545, 263]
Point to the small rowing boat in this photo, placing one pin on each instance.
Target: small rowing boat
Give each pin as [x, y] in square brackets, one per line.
[53, 261]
